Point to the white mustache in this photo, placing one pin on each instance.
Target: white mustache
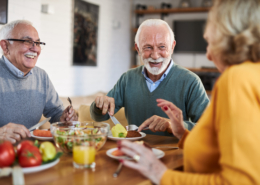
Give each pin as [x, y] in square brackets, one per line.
[31, 53]
[154, 61]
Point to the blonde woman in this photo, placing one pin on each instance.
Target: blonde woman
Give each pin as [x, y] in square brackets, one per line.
[223, 148]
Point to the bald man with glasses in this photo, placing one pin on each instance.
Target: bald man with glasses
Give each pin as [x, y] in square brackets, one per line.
[26, 91]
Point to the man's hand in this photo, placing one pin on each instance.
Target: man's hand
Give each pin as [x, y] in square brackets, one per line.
[14, 132]
[156, 124]
[69, 114]
[105, 103]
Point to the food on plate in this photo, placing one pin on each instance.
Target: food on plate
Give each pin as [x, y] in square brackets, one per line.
[119, 131]
[27, 153]
[143, 143]
[64, 138]
[30, 156]
[133, 133]
[48, 151]
[119, 153]
[7, 154]
[42, 133]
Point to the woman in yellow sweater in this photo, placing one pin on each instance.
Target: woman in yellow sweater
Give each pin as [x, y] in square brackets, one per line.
[224, 146]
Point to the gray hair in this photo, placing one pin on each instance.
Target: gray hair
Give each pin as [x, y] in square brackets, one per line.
[6, 30]
[236, 30]
[153, 22]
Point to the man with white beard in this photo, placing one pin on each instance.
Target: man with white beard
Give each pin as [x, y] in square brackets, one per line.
[26, 91]
[138, 89]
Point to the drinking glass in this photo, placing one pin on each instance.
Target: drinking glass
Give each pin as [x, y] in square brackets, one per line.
[84, 152]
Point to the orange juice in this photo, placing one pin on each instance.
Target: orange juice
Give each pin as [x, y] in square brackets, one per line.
[84, 155]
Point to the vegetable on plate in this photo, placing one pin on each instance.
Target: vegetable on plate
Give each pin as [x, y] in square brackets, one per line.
[7, 154]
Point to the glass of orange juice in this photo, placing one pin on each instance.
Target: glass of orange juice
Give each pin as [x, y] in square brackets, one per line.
[84, 152]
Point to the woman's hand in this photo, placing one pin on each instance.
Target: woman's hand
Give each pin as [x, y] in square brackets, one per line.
[175, 115]
[145, 160]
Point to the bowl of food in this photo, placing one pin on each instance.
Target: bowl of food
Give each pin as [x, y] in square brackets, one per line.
[65, 133]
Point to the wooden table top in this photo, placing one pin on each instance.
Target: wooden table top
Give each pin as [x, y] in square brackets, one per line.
[65, 173]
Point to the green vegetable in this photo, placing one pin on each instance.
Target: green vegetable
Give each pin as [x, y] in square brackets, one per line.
[98, 139]
[36, 143]
[58, 155]
[70, 145]
[121, 135]
[95, 130]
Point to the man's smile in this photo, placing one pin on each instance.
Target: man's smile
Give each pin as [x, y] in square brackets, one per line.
[155, 64]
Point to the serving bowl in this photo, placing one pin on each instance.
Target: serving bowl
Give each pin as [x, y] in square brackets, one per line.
[66, 133]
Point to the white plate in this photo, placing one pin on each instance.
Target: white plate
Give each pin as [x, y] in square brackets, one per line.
[120, 138]
[159, 154]
[41, 167]
[41, 138]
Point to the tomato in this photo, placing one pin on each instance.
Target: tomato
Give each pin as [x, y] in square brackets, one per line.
[117, 153]
[22, 145]
[7, 154]
[30, 156]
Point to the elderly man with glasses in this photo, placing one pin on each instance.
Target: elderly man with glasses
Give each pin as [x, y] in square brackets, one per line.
[26, 91]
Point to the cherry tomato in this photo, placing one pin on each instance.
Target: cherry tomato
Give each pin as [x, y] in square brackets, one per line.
[7, 154]
[22, 145]
[30, 156]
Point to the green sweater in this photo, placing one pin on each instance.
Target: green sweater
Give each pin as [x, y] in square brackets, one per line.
[181, 87]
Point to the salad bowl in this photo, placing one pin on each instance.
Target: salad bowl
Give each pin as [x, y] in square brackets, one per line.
[66, 133]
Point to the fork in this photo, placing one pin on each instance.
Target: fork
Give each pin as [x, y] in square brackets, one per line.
[70, 102]
[166, 147]
[134, 128]
[118, 170]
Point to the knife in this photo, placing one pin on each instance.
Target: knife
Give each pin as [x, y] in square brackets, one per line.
[115, 121]
[39, 124]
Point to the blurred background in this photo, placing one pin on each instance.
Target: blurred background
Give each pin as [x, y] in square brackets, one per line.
[112, 38]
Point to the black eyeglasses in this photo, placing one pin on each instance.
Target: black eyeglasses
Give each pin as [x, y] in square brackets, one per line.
[30, 43]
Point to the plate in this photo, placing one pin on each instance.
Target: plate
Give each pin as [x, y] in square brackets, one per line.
[159, 154]
[41, 167]
[120, 138]
[41, 138]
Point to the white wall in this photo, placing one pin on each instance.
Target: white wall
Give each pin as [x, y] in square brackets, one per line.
[114, 44]
[190, 60]
[114, 48]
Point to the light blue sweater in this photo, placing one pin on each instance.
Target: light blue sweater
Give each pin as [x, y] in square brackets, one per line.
[23, 100]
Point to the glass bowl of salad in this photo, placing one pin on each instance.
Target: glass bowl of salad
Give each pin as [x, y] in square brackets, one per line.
[65, 133]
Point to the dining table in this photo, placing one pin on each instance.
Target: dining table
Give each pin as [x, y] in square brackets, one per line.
[65, 173]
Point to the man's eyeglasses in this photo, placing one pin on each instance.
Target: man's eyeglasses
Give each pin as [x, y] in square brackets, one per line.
[30, 43]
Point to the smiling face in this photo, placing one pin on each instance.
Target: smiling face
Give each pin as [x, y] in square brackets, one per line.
[155, 50]
[21, 56]
[210, 37]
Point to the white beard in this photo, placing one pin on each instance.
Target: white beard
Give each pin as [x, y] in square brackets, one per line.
[156, 70]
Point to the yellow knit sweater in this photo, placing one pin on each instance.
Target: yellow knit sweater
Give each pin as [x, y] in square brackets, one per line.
[224, 146]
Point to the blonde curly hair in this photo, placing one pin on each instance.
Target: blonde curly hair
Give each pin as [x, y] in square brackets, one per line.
[236, 29]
